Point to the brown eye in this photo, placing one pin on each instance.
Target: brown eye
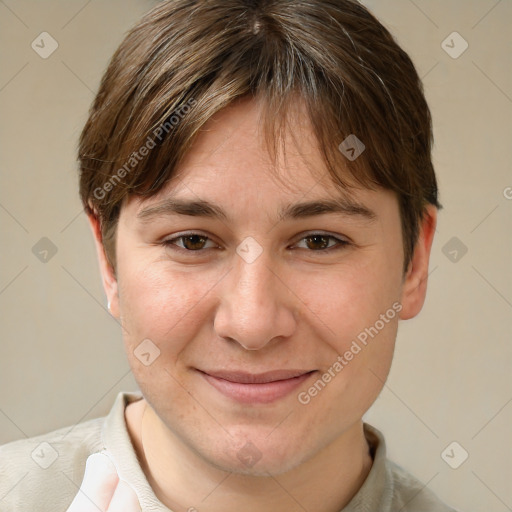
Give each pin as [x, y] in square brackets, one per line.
[194, 242]
[316, 242]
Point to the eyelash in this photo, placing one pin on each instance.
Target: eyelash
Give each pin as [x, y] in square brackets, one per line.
[170, 243]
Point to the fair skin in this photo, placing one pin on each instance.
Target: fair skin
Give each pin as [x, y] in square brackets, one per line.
[297, 306]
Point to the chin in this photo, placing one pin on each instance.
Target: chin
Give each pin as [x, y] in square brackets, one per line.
[260, 458]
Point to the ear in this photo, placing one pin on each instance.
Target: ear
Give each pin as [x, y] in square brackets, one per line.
[414, 287]
[107, 272]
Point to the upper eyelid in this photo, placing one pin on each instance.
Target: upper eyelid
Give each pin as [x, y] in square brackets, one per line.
[184, 235]
[300, 236]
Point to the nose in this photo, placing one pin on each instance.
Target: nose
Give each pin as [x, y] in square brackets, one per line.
[256, 305]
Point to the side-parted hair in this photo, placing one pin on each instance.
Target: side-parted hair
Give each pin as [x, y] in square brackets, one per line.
[188, 59]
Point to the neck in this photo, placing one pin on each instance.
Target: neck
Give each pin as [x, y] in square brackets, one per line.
[182, 480]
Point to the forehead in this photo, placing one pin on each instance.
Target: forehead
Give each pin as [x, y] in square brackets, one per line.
[230, 152]
[233, 140]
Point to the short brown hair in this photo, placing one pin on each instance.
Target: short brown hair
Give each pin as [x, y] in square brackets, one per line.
[204, 54]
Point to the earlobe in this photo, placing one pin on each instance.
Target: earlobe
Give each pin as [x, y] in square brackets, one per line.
[415, 283]
[107, 272]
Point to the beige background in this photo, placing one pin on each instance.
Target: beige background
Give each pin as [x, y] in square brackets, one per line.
[61, 357]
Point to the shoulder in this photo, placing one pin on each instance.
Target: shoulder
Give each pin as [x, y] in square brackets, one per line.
[391, 488]
[44, 472]
[411, 495]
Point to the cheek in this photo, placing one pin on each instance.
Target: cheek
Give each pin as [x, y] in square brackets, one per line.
[355, 311]
[161, 306]
[162, 313]
[348, 299]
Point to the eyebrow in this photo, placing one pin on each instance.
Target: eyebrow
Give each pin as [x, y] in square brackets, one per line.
[202, 208]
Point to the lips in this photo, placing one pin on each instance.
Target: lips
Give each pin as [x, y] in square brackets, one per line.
[249, 388]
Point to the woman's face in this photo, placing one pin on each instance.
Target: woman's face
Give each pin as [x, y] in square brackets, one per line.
[238, 296]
